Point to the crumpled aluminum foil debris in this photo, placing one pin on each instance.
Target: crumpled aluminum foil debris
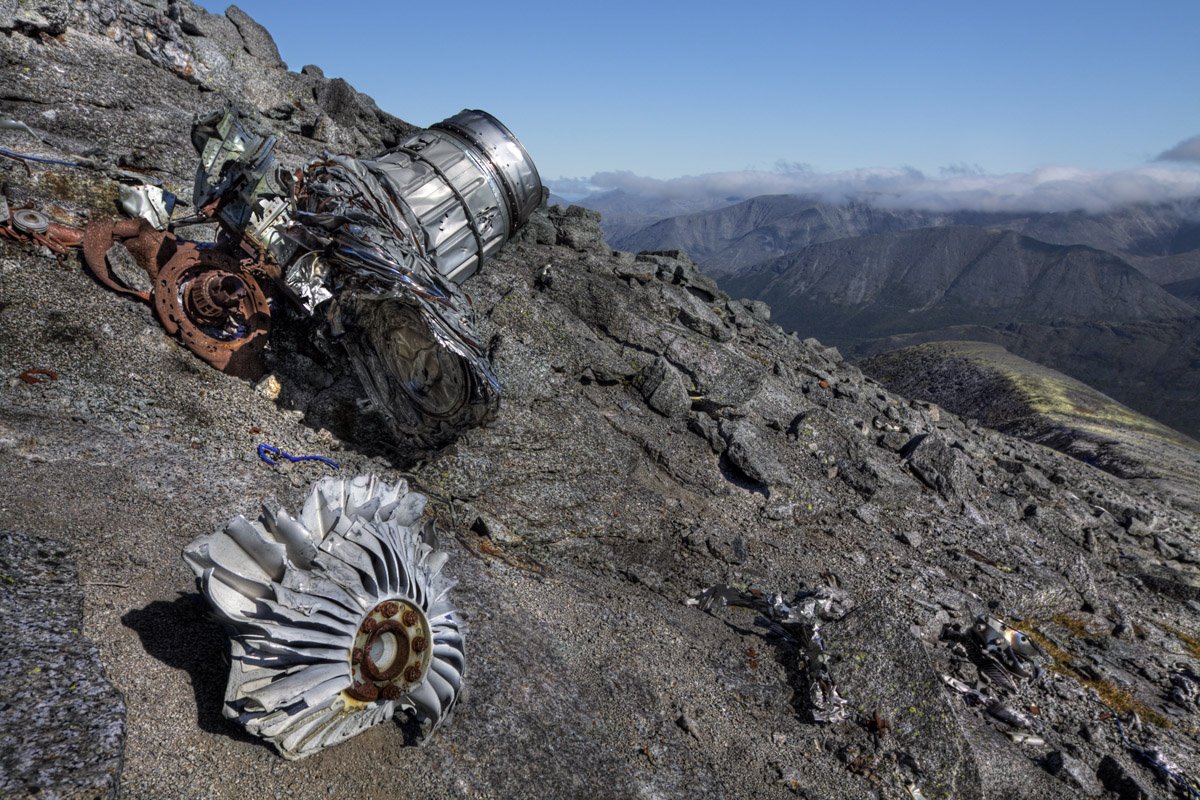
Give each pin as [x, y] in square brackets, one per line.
[340, 617]
[799, 622]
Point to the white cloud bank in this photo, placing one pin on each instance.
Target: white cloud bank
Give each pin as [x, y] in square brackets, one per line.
[959, 187]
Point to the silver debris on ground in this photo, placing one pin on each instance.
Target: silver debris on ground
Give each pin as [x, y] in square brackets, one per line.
[340, 616]
[799, 622]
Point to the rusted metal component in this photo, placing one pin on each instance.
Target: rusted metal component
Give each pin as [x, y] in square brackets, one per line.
[216, 309]
[29, 226]
[207, 298]
[38, 375]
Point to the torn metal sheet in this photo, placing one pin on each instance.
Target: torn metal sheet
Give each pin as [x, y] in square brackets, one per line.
[797, 621]
[148, 202]
[340, 617]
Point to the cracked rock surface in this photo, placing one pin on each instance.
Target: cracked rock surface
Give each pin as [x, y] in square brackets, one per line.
[656, 437]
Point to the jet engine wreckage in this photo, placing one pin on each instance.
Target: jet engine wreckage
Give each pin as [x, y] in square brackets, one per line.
[340, 617]
[371, 251]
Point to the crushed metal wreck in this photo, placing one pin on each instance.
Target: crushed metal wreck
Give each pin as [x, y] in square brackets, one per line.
[340, 617]
[385, 242]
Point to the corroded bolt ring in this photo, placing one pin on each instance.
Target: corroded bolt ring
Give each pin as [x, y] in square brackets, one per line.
[409, 618]
[356, 656]
[412, 674]
[389, 669]
[368, 625]
[390, 692]
[365, 692]
[419, 643]
[390, 608]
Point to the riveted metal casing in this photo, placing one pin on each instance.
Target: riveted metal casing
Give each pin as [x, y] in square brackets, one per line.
[465, 185]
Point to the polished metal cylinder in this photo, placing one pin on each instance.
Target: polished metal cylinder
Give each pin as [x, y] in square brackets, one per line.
[464, 185]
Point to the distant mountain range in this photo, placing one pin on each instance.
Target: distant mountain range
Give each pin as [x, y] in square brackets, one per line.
[1111, 299]
[911, 281]
[1163, 241]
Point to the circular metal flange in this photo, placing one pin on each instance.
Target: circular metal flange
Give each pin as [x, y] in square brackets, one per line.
[392, 653]
[216, 309]
[29, 221]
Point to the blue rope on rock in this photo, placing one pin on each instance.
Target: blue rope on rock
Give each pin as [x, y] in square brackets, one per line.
[41, 160]
[269, 454]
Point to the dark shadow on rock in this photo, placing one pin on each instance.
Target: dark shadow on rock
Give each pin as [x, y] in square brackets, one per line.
[183, 635]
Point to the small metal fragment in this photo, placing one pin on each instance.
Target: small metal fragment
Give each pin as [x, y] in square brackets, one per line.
[27, 220]
[1025, 738]
[38, 375]
[799, 621]
[147, 202]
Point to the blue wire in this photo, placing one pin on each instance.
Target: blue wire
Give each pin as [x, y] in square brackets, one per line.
[41, 160]
[268, 453]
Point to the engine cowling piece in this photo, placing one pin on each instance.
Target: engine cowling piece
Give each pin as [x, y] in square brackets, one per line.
[339, 618]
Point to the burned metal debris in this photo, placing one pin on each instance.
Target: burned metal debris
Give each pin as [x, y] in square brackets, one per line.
[798, 623]
[340, 617]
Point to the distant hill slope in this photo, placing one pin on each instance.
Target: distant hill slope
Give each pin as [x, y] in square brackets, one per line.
[729, 239]
[1079, 310]
[1019, 397]
[933, 277]
[1161, 240]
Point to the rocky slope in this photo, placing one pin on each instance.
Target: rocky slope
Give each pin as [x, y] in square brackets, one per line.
[1010, 394]
[656, 437]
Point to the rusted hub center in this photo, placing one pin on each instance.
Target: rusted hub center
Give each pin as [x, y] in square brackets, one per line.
[392, 652]
[211, 297]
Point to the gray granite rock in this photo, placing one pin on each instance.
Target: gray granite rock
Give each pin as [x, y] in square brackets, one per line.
[62, 724]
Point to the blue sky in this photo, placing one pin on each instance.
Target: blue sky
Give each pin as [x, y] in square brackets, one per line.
[682, 88]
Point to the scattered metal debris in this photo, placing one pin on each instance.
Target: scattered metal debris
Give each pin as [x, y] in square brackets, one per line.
[339, 618]
[1153, 757]
[999, 651]
[379, 245]
[270, 455]
[798, 623]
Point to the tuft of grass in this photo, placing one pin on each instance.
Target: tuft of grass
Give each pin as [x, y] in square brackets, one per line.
[1120, 700]
[1190, 642]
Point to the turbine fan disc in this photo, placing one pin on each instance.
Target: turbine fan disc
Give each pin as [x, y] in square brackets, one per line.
[340, 617]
